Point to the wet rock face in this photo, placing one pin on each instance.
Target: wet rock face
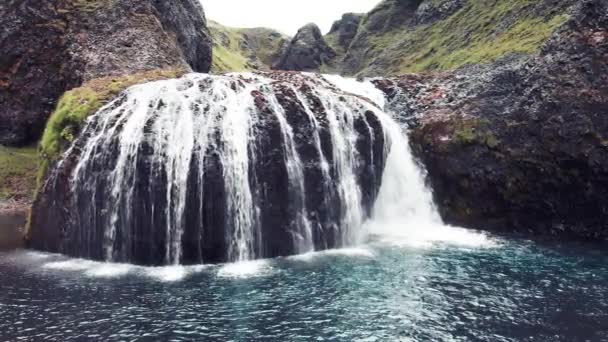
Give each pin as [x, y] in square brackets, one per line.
[307, 51]
[49, 47]
[187, 21]
[519, 146]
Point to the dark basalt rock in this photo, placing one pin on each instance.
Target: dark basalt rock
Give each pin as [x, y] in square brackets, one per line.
[346, 28]
[519, 146]
[49, 47]
[32, 76]
[307, 51]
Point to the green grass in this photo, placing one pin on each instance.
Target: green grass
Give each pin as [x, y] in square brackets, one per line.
[76, 105]
[225, 60]
[227, 54]
[17, 172]
[480, 32]
[236, 49]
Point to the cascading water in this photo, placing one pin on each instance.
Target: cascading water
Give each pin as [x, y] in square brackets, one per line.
[404, 204]
[231, 168]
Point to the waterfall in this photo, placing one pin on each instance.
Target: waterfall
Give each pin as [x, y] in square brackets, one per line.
[236, 167]
[404, 199]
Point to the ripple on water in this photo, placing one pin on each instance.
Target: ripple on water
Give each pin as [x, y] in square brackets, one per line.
[500, 291]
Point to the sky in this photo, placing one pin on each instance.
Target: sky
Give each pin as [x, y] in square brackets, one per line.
[286, 16]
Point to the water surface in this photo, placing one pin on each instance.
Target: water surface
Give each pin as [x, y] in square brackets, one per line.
[457, 286]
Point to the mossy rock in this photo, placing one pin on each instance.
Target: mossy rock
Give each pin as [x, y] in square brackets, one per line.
[473, 131]
[76, 105]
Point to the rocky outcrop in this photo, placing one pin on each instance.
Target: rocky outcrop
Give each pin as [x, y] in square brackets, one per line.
[346, 29]
[32, 75]
[519, 146]
[52, 46]
[308, 51]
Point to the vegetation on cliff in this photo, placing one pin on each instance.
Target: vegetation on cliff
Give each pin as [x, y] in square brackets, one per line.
[76, 105]
[403, 36]
[479, 32]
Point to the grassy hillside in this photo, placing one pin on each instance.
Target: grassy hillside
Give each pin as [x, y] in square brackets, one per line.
[236, 49]
[480, 31]
[17, 173]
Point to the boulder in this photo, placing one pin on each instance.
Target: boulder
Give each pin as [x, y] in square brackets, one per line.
[308, 51]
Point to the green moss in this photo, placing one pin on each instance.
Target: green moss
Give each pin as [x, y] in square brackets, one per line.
[473, 131]
[76, 105]
[480, 32]
[17, 172]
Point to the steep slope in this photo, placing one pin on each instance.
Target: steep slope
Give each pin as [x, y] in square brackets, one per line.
[400, 36]
[244, 49]
[410, 36]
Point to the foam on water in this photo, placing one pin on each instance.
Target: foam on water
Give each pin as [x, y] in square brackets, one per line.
[355, 252]
[245, 269]
[108, 270]
[167, 273]
[94, 269]
[71, 265]
[424, 235]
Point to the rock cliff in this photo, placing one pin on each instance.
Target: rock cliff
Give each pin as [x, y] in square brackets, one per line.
[52, 46]
[519, 146]
[307, 51]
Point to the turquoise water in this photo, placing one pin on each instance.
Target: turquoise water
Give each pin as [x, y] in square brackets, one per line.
[458, 287]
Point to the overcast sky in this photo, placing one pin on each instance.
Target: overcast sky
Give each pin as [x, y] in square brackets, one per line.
[286, 16]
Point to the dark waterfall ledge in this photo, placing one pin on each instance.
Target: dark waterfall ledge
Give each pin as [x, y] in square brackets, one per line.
[519, 147]
[72, 215]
